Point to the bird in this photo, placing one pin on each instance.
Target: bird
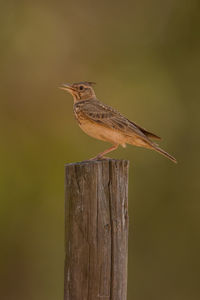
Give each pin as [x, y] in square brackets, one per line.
[105, 123]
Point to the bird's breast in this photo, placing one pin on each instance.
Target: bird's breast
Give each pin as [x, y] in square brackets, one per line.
[102, 133]
[97, 130]
[78, 114]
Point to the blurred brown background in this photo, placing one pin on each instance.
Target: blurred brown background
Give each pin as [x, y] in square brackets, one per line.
[145, 58]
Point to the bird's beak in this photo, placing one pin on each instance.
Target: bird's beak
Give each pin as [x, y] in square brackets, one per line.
[67, 87]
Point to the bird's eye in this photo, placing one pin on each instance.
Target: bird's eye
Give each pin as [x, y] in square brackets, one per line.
[81, 87]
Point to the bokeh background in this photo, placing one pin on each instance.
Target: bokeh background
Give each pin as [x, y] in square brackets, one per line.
[145, 57]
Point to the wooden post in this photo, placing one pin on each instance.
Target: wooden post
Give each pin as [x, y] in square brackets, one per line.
[96, 229]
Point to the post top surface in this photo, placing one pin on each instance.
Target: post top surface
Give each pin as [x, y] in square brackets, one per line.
[100, 161]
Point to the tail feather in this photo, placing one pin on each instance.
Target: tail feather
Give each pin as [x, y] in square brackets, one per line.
[161, 151]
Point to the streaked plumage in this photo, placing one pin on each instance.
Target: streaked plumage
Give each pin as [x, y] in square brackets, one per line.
[107, 124]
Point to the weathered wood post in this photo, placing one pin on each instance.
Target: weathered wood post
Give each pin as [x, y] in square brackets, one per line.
[96, 229]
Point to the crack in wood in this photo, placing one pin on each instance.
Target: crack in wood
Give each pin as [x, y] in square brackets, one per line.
[96, 206]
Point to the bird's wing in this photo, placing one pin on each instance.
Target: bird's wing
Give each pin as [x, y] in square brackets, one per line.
[147, 133]
[109, 117]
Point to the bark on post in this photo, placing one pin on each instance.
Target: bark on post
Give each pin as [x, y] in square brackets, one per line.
[96, 230]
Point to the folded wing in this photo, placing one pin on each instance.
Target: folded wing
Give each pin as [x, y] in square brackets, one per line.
[111, 118]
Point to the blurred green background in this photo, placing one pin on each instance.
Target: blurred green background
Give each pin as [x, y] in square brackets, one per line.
[145, 58]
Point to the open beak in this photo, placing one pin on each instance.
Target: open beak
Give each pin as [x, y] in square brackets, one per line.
[67, 87]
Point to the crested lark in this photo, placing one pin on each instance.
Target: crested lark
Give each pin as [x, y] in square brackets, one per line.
[105, 123]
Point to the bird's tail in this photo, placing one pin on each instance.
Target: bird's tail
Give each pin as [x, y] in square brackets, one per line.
[158, 149]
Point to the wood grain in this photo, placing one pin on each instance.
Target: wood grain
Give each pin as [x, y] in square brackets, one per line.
[96, 227]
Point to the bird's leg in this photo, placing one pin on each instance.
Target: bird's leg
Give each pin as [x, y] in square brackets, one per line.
[101, 155]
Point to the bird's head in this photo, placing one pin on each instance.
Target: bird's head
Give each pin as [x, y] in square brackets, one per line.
[80, 90]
